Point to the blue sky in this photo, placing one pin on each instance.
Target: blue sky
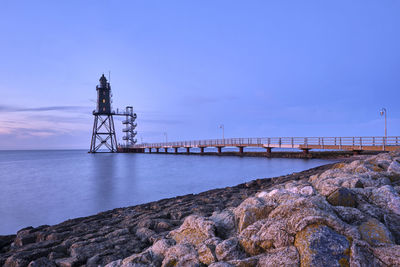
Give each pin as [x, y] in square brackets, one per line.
[261, 68]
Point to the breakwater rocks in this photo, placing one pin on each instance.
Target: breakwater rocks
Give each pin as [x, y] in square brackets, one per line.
[344, 214]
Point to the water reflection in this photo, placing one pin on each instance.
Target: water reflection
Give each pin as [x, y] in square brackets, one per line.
[103, 173]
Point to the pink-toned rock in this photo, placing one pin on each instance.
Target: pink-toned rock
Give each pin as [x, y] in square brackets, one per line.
[229, 250]
[181, 255]
[194, 230]
[386, 198]
[251, 210]
[389, 255]
[282, 257]
[375, 232]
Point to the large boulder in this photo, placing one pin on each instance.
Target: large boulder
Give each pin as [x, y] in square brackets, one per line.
[389, 255]
[394, 170]
[194, 230]
[342, 197]
[386, 198]
[320, 245]
[229, 250]
[282, 257]
[146, 258]
[263, 235]
[224, 222]
[181, 255]
[207, 254]
[251, 210]
[375, 233]
[350, 215]
[206, 250]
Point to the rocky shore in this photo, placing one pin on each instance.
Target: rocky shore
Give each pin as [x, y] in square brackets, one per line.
[343, 214]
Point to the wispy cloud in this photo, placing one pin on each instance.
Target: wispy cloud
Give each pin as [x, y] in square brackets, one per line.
[6, 108]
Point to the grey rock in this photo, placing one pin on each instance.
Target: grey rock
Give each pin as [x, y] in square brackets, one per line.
[342, 197]
[375, 232]
[386, 198]
[229, 250]
[181, 255]
[221, 264]
[224, 222]
[194, 230]
[251, 210]
[41, 262]
[286, 256]
[319, 245]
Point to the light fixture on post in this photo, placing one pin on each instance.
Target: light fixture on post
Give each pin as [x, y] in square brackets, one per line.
[223, 131]
[384, 112]
[166, 137]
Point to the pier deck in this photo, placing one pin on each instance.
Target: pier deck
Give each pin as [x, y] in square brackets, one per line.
[356, 144]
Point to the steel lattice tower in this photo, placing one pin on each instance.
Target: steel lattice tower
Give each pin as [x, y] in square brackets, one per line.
[130, 126]
[103, 126]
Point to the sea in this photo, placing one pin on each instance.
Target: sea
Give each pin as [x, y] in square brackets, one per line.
[45, 187]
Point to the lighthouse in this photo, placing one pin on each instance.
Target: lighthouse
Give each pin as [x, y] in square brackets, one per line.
[103, 135]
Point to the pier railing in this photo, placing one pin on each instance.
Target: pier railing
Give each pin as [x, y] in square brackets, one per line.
[287, 142]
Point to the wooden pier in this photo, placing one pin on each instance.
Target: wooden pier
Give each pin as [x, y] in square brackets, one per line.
[354, 144]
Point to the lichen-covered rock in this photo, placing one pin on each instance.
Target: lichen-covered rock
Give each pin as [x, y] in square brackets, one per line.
[263, 235]
[386, 198]
[251, 210]
[394, 170]
[296, 215]
[375, 233]
[146, 258]
[342, 197]
[247, 262]
[349, 215]
[392, 222]
[224, 222]
[181, 255]
[229, 250]
[194, 230]
[319, 245]
[282, 257]
[144, 234]
[161, 246]
[207, 254]
[389, 255]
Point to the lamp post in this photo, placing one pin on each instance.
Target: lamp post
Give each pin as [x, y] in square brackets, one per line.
[223, 130]
[384, 112]
[166, 137]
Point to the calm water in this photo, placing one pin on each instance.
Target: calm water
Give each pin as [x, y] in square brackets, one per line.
[48, 187]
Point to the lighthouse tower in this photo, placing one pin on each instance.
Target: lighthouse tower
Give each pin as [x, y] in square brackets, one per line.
[103, 126]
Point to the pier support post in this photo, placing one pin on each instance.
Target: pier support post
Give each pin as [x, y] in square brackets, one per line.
[219, 149]
[150, 150]
[241, 150]
[269, 150]
[176, 150]
[157, 150]
[166, 150]
[188, 150]
[202, 150]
